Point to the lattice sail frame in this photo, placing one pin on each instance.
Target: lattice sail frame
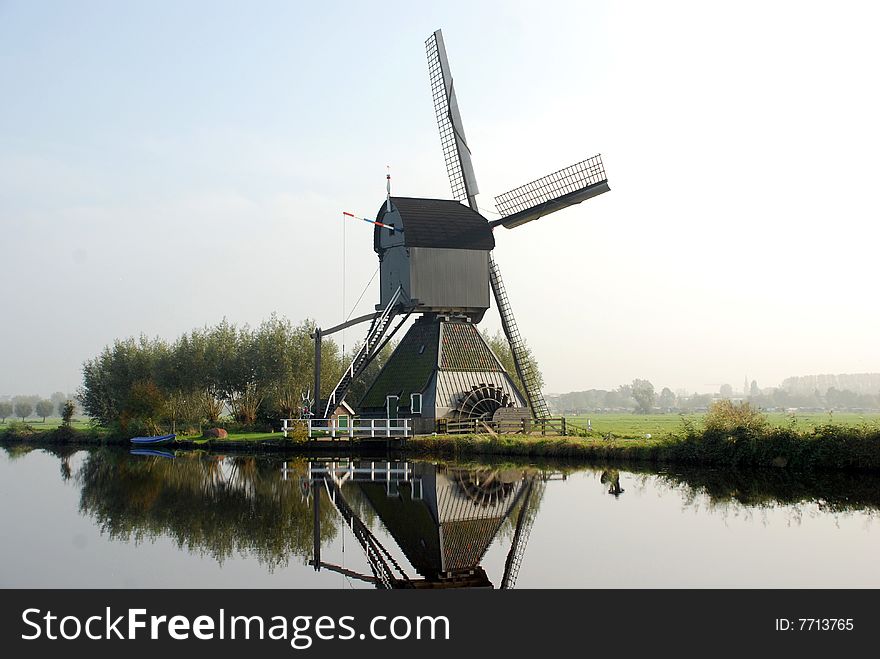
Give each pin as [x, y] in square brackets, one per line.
[571, 179]
[456, 153]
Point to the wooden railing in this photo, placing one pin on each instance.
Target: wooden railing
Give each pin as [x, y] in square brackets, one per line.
[351, 429]
[541, 426]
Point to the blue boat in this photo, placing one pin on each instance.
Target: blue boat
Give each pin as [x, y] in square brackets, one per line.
[158, 440]
[152, 452]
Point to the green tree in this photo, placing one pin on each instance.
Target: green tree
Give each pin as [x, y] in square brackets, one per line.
[23, 409]
[5, 409]
[44, 408]
[256, 374]
[108, 378]
[667, 398]
[67, 412]
[501, 347]
[146, 404]
[643, 392]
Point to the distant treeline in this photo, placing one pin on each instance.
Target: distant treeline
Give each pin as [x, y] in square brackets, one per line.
[641, 397]
[22, 407]
[858, 383]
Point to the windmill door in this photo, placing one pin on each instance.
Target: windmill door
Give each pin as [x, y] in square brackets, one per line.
[391, 406]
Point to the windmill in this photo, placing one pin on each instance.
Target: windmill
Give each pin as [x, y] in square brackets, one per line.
[436, 260]
[442, 519]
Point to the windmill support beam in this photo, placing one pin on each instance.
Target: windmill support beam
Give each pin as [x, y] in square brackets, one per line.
[551, 206]
[317, 334]
[349, 323]
[316, 528]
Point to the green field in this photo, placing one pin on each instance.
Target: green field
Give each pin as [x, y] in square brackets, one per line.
[51, 423]
[633, 426]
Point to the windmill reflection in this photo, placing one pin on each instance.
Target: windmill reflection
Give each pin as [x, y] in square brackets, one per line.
[443, 519]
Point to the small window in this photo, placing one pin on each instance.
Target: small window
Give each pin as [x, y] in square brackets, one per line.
[415, 403]
[421, 348]
[342, 422]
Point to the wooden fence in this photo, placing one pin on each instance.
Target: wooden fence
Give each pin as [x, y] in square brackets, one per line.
[556, 425]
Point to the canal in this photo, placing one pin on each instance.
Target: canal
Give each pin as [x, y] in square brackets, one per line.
[108, 518]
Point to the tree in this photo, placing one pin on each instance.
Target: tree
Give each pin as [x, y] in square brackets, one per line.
[726, 391]
[58, 399]
[5, 409]
[643, 392]
[501, 347]
[67, 412]
[145, 403]
[23, 409]
[667, 398]
[44, 408]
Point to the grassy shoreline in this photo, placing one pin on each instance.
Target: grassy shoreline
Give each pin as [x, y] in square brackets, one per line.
[827, 447]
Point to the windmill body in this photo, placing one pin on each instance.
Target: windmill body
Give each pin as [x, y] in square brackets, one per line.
[436, 261]
[439, 258]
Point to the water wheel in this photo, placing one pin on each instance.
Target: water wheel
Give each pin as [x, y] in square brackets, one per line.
[481, 402]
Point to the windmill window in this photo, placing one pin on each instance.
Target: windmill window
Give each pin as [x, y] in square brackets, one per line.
[415, 403]
[421, 348]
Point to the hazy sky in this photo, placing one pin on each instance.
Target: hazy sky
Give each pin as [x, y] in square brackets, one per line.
[166, 164]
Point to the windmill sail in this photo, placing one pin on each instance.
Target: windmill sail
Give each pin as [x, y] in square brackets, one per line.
[455, 149]
[527, 375]
[464, 188]
[551, 193]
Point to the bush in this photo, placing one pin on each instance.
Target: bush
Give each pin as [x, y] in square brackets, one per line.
[725, 416]
[18, 430]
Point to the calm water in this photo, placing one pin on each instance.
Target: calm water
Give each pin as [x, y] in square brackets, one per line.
[109, 518]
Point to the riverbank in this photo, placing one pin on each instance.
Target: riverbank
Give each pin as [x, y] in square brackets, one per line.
[825, 448]
[828, 447]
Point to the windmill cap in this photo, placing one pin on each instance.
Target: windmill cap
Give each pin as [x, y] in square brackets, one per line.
[441, 223]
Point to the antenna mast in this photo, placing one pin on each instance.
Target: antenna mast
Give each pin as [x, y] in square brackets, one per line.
[388, 189]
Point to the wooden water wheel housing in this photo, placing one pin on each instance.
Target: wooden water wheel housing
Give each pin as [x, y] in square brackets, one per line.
[481, 402]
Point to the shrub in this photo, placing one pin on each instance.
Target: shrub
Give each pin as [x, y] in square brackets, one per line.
[725, 416]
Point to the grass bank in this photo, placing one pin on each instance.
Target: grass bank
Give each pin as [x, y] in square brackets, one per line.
[728, 436]
[822, 448]
[86, 435]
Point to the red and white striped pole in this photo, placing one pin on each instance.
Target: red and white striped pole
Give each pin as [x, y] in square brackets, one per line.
[376, 222]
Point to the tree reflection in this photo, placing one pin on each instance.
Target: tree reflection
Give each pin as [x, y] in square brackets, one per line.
[214, 505]
[831, 491]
